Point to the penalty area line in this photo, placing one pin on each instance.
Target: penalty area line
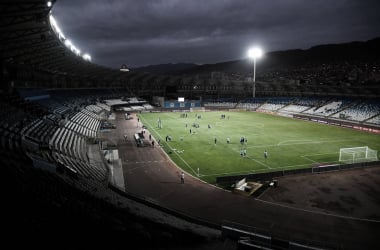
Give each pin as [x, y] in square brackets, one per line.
[307, 158]
[259, 162]
[175, 151]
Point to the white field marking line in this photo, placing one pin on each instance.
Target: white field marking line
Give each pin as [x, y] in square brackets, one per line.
[258, 170]
[256, 125]
[202, 175]
[259, 162]
[307, 158]
[293, 166]
[190, 167]
[304, 142]
[251, 158]
[248, 171]
[318, 212]
[303, 156]
[171, 147]
[283, 143]
[320, 154]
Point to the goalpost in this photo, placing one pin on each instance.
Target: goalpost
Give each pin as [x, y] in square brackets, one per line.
[357, 154]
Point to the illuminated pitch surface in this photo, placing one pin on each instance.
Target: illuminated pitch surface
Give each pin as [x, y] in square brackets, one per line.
[290, 143]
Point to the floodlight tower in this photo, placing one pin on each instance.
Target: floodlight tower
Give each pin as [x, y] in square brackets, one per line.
[254, 53]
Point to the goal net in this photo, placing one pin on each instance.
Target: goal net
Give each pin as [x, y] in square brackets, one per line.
[357, 154]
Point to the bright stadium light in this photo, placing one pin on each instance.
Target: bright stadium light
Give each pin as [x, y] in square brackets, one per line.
[49, 4]
[87, 57]
[77, 51]
[68, 43]
[52, 21]
[254, 53]
[65, 40]
[55, 27]
[61, 36]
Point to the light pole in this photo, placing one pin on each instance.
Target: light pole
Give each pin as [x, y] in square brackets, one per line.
[254, 53]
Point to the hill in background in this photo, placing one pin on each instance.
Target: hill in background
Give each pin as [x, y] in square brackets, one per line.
[165, 68]
[329, 53]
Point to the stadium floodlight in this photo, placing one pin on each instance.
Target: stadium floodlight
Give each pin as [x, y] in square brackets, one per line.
[68, 43]
[49, 4]
[254, 53]
[86, 57]
[52, 21]
[65, 40]
[54, 24]
[76, 51]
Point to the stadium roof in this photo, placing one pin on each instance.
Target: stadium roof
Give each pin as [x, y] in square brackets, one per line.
[27, 38]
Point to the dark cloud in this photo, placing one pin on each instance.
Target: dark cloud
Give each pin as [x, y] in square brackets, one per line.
[206, 31]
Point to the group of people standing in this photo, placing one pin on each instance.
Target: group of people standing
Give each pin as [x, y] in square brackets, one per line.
[243, 140]
[223, 116]
[243, 153]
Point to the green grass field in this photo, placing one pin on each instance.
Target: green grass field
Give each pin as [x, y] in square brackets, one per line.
[290, 143]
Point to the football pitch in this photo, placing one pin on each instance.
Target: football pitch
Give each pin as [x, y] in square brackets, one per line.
[197, 142]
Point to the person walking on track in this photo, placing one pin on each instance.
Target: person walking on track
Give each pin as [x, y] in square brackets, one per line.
[182, 177]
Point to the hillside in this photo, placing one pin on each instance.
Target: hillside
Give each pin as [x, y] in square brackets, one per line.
[165, 68]
[352, 51]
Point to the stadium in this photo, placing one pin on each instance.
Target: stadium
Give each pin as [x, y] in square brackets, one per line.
[209, 158]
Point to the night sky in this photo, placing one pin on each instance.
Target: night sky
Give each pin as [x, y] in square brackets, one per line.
[148, 32]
